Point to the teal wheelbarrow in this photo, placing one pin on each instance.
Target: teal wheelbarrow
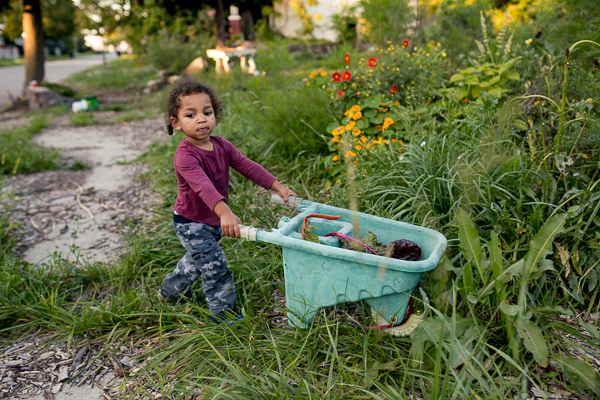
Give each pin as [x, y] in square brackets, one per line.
[324, 274]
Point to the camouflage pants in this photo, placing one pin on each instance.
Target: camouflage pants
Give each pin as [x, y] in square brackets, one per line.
[204, 257]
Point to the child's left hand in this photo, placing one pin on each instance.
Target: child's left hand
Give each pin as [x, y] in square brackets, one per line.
[283, 191]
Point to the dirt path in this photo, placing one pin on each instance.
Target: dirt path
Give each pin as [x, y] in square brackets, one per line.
[76, 215]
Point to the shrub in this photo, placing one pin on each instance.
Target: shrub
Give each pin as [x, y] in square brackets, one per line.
[170, 52]
[385, 20]
[381, 97]
[408, 75]
[492, 71]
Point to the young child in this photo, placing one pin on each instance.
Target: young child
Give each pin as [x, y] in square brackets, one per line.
[201, 213]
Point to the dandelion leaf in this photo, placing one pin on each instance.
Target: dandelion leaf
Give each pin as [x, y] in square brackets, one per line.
[533, 340]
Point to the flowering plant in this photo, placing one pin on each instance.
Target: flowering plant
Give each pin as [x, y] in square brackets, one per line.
[377, 95]
[399, 73]
[369, 127]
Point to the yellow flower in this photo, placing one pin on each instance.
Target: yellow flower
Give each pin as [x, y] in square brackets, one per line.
[338, 130]
[356, 115]
[528, 41]
[349, 154]
[387, 122]
[350, 125]
[307, 83]
[355, 108]
[335, 158]
[358, 147]
[323, 73]
[312, 75]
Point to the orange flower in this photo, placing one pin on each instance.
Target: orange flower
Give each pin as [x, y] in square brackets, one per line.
[393, 89]
[338, 130]
[349, 154]
[341, 92]
[346, 58]
[346, 76]
[335, 158]
[356, 115]
[372, 62]
[336, 76]
[387, 122]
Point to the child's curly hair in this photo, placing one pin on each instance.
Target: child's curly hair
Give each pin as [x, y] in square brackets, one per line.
[187, 87]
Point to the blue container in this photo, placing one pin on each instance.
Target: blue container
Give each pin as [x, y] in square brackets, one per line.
[323, 274]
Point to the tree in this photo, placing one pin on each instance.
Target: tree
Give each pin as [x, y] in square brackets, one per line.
[59, 21]
[33, 41]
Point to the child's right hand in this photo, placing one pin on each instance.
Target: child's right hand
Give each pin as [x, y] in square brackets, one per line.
[230, 224]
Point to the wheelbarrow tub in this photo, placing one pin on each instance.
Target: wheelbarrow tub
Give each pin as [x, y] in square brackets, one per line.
[319, 275]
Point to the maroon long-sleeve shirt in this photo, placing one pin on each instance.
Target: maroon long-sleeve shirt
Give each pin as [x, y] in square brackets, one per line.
[203, 177]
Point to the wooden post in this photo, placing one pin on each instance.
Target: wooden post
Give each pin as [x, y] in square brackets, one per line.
[33, 41]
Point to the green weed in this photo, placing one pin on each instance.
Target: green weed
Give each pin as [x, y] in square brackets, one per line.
[83, 118]
[19, 155]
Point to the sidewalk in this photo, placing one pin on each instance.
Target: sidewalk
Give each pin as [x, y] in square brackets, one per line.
[12, 79]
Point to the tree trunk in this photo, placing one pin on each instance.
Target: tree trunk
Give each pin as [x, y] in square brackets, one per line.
[220, 24]
[33, 41]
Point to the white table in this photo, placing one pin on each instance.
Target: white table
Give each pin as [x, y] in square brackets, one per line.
[221, 58]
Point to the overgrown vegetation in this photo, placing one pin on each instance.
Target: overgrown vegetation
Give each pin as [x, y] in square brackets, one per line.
[497, 150]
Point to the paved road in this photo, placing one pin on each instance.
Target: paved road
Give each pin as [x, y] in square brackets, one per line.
[12, 78]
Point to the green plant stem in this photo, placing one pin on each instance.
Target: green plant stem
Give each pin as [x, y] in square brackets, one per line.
[563, 101]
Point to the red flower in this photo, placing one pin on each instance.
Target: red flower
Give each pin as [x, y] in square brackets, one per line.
[405, 44]
[346, 76]
[336, 76]
[341, 92]
[393, 89]
[372, 62]
[465, 100]
[346, 58]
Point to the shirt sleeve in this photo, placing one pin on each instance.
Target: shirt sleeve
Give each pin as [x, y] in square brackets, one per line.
[248, 168]
[190, 169]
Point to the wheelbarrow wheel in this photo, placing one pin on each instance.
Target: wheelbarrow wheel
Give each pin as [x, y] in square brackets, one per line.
[408, 325]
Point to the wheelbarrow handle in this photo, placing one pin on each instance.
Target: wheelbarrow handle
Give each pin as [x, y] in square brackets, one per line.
[293, 201]
[248, 232]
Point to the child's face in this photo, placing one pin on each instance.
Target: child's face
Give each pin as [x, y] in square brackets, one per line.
[196, 118]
